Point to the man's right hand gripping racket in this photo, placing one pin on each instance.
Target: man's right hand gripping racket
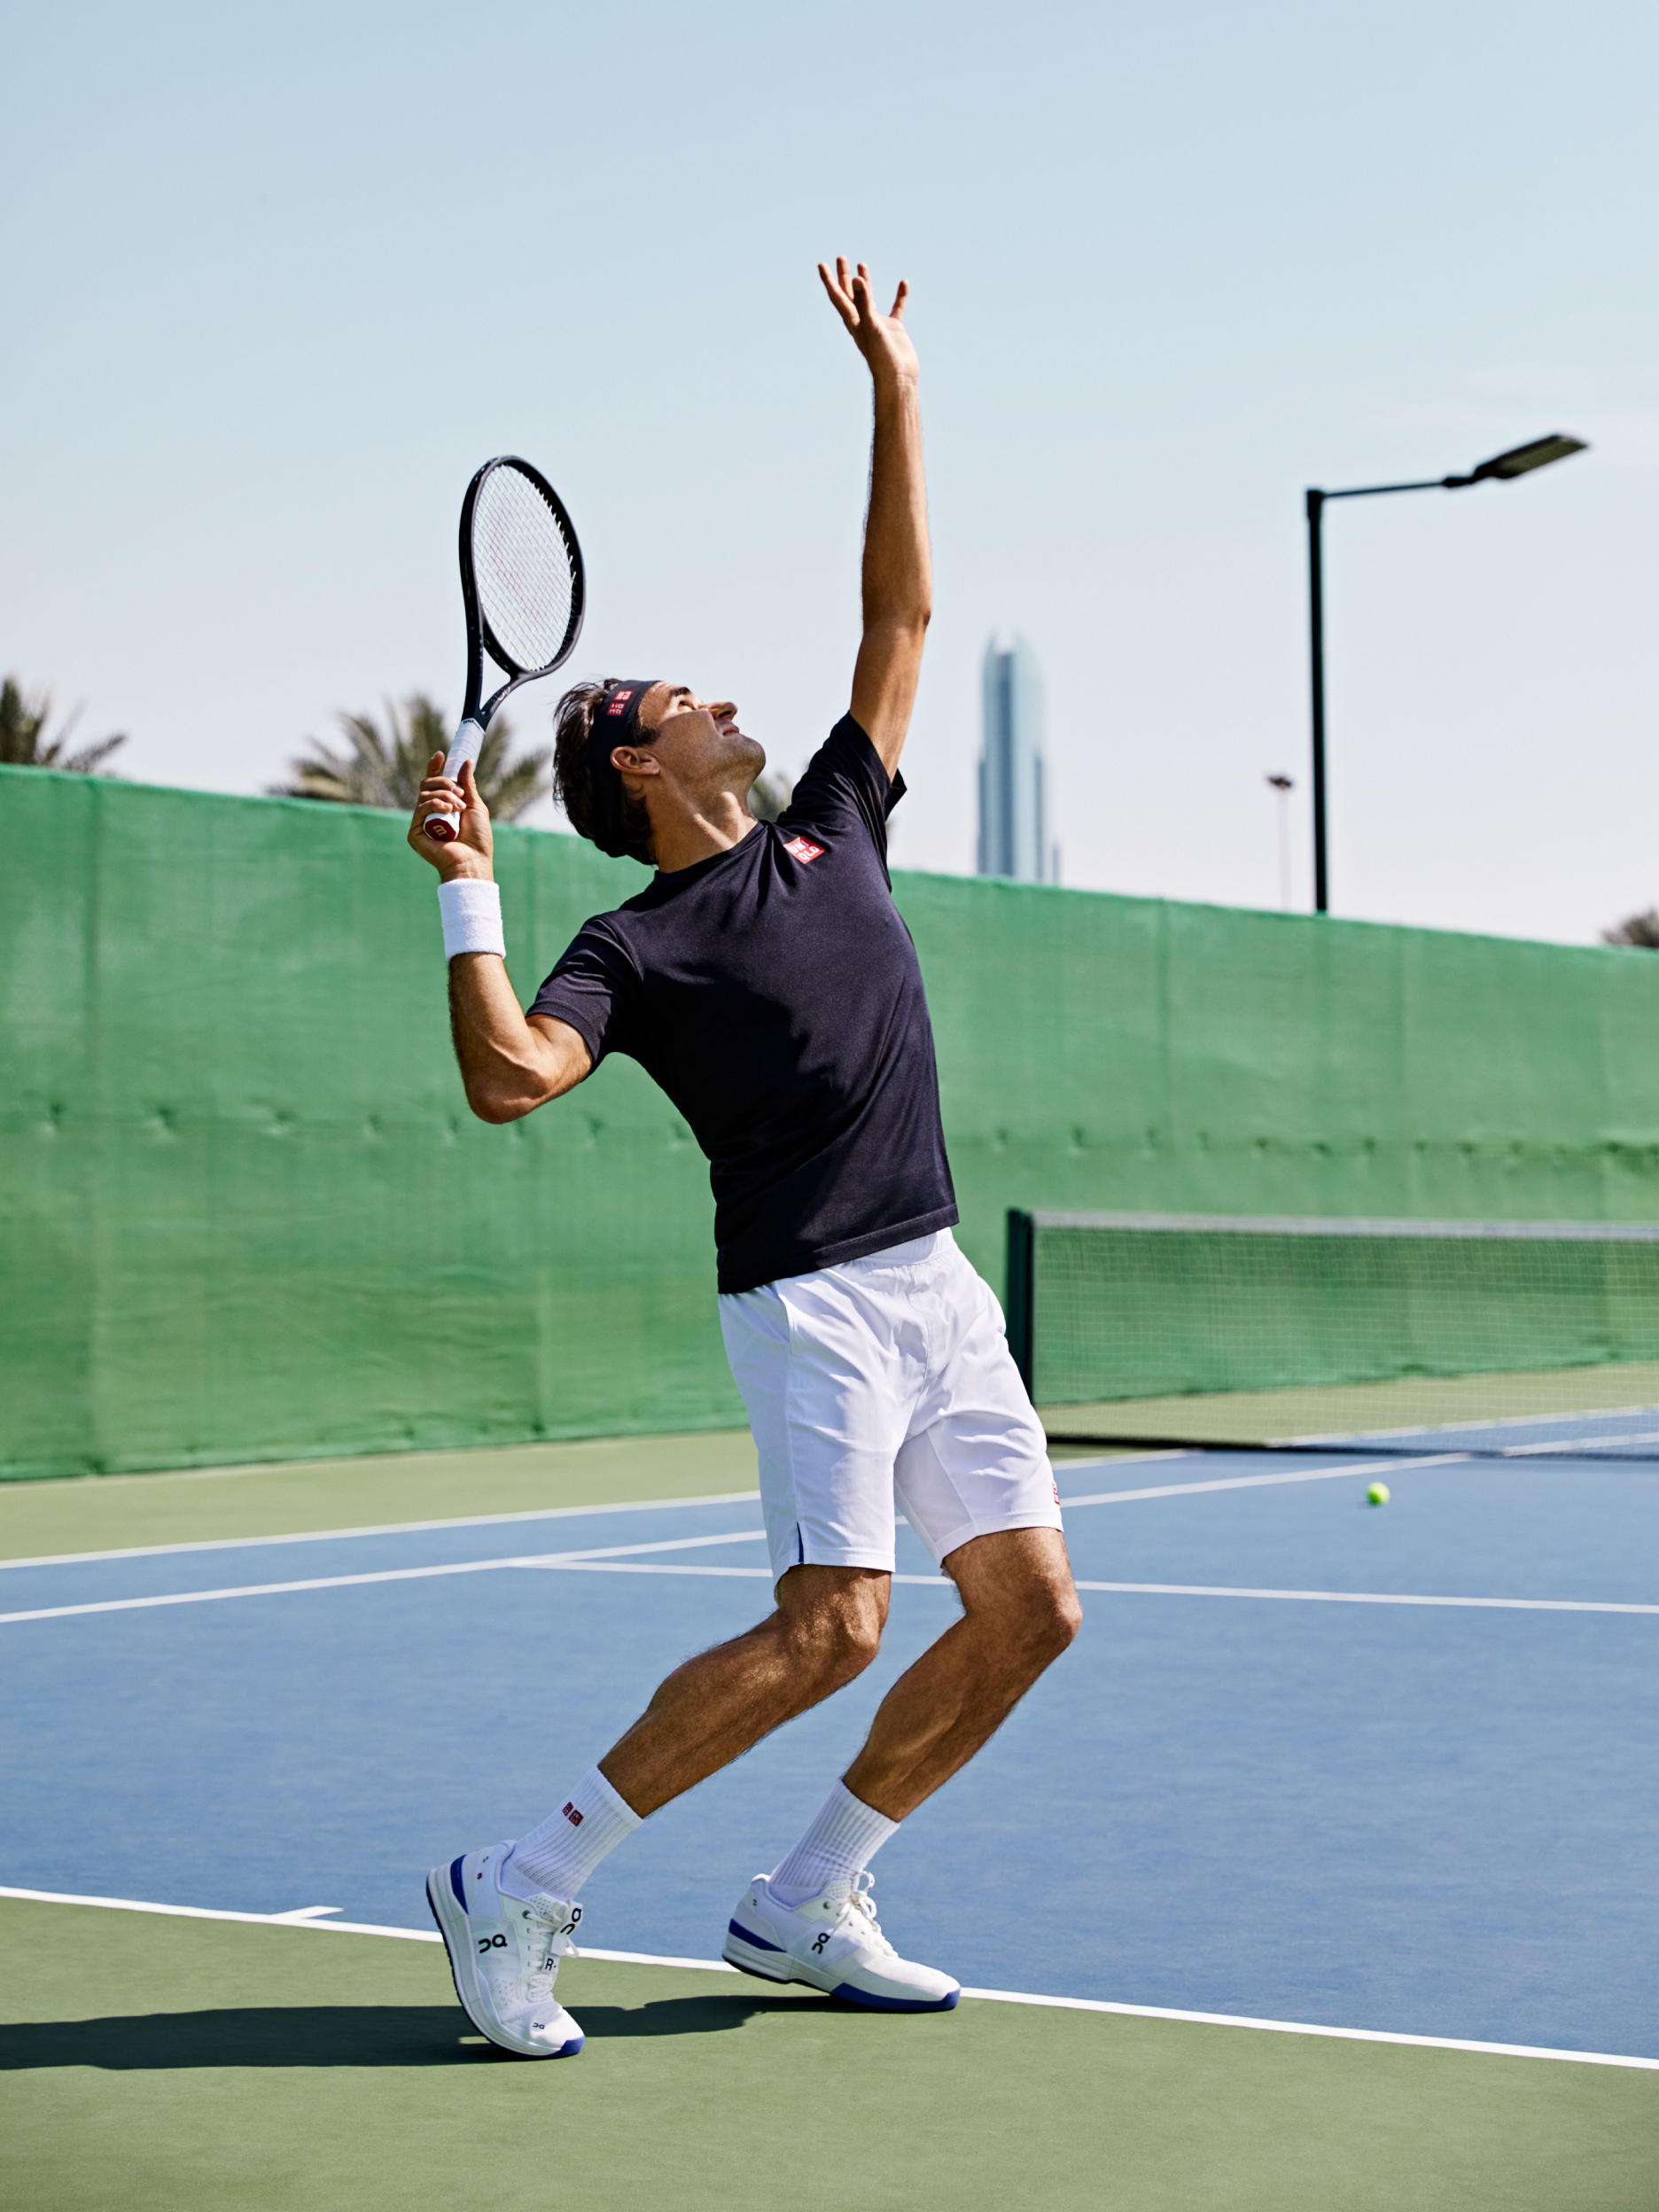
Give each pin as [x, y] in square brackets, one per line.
[521, 581]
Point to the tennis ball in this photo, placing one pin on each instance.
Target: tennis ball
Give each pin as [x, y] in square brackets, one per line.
[1377, 1495]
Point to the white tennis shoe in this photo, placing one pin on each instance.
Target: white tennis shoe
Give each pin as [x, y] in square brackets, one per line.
[833, 1941]
[504, 1953]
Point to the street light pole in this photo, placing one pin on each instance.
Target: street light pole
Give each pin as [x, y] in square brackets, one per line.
[1316, 636]
[1518, 461]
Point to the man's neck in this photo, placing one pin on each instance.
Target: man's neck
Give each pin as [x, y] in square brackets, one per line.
[683, 835]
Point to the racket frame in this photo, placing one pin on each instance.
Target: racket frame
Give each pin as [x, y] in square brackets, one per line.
[442, 825]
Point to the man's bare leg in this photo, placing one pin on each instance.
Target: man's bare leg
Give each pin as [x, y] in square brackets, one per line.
[827, 1628]
[1020, 1612]
[812, 1918]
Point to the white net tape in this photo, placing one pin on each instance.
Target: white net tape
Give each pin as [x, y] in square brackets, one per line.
[522, 564]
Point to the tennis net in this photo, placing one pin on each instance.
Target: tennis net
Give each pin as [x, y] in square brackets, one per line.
[1504, 1338]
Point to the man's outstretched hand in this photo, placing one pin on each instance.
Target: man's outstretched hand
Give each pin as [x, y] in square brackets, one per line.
[881, 339]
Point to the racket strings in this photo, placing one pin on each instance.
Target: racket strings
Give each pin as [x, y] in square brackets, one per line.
[524, 567]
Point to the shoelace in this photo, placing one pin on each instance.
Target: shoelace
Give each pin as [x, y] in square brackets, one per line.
[860, 1899]
[551, 1923]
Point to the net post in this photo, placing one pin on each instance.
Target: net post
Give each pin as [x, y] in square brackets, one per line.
[1019, 1298]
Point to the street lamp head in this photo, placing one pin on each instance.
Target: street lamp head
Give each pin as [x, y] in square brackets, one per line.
[1520, 459]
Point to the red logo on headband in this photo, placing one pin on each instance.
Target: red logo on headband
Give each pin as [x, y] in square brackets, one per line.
[618, 705]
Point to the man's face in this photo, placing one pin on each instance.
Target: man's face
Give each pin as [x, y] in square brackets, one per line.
[698, 741]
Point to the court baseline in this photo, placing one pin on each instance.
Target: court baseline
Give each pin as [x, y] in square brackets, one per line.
[305, 1918]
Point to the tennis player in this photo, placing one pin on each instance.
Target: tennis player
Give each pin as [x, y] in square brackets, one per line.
[765, 981]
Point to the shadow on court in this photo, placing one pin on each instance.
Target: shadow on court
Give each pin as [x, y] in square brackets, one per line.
[342, 2035]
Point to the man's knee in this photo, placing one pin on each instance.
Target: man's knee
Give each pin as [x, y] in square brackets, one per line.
[1033, 1631]
[836, 1645]
[852, 1642]
[1020, 1586]
[1053, 1619]
[834, 1633]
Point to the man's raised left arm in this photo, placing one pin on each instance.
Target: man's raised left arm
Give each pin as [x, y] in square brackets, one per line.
[897, 577]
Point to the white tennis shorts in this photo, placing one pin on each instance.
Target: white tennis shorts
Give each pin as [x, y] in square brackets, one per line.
[886, 1382]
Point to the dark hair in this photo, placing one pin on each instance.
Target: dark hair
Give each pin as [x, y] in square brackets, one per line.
[573, 771]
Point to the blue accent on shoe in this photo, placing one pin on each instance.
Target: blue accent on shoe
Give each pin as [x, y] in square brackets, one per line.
[850, 1996]
[757, 1942]
[454, 1881]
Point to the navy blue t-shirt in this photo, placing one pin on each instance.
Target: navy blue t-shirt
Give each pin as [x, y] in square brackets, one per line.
[774, 993]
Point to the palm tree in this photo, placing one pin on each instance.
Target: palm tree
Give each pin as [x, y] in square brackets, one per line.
[25, 744]
[385, 767]
[1635, 929]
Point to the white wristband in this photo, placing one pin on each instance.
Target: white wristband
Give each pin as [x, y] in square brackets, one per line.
[471, 917]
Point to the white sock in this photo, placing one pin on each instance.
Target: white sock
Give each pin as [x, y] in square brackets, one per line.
[841, 1841]
[558, 1856]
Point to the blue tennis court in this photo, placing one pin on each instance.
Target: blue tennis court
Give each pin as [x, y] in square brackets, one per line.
[1388, 1769]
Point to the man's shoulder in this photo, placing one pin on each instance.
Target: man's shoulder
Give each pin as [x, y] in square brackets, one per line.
[844, 787]
[847, 768]
[603, 940]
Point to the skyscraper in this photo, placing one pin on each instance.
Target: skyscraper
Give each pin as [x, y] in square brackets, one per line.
[1012, 830]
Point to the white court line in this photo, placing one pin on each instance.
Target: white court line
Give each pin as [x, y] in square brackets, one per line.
[1137, 1589]
[1264, 1481]
[385, 1528]
[1568, 1447]
[985, 1996]
[624, 1559]
[763, 1574]
[1351, 1597]
[382, 1574]
[251, 1590]
[631, 1551]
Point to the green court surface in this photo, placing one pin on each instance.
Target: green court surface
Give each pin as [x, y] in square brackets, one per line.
[182, 2064]
[111, 1511]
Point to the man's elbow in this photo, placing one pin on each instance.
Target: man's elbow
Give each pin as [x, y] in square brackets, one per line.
[508, 1094]
[492, 1103]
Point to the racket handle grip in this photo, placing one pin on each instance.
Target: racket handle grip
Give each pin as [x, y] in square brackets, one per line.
[442, 827]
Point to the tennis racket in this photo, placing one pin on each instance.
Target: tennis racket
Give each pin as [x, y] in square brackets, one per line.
[521, 583]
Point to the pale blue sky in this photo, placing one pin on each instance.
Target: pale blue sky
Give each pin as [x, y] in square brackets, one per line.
[277, 280]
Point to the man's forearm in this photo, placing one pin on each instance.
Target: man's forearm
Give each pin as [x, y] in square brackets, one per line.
[897, 579]
[507, 1067]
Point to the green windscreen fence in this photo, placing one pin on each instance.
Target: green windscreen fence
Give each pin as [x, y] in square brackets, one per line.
[245, 1213]
[1501, 1336]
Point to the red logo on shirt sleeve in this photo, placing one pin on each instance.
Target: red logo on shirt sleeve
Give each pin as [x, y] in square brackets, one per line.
[803, 848]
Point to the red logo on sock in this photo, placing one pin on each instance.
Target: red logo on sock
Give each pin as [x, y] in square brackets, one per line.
[573, 1816]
